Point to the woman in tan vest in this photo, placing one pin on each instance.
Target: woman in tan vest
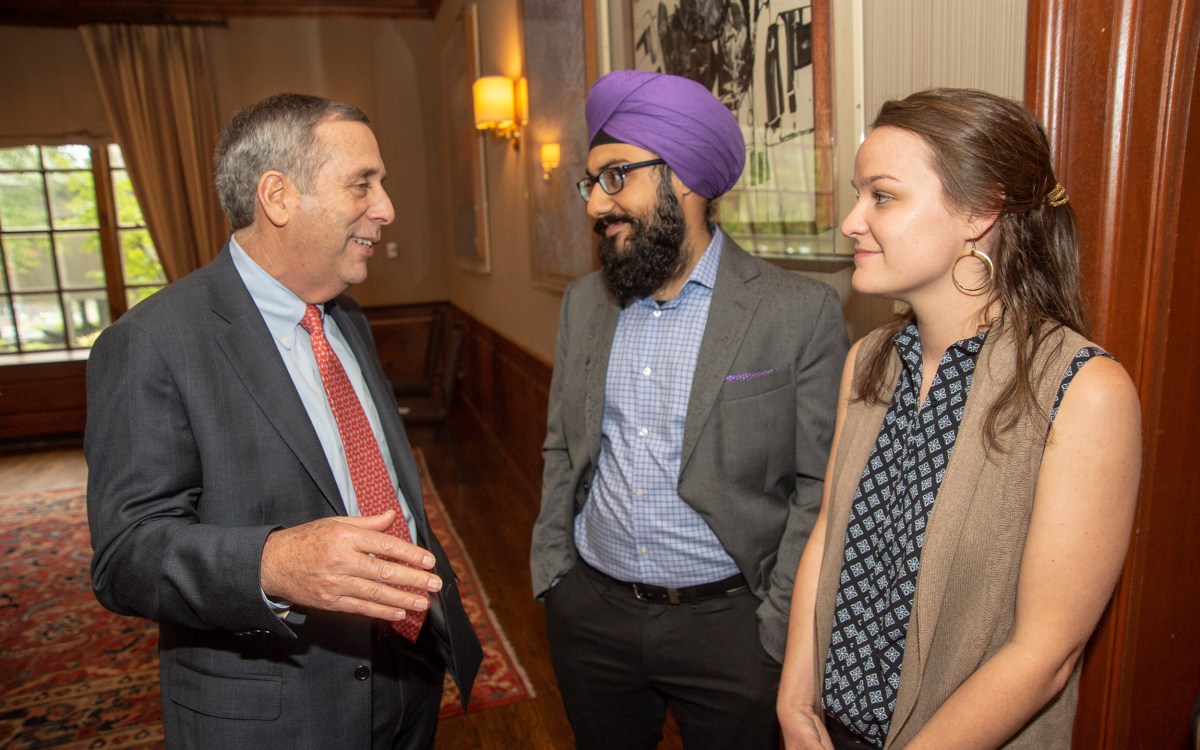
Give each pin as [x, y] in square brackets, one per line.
[981, 487]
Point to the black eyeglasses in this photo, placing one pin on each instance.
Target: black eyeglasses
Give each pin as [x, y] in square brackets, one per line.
[611, 180]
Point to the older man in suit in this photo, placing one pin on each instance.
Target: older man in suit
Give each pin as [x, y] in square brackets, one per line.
[251, 487]
[690, 416]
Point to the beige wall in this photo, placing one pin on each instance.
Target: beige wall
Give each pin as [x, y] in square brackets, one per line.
[51, 98]
[383, 67]
[507, 299]
[917, 44]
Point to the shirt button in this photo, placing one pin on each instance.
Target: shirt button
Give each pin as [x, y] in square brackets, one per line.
[658, 313]
[640, 493]
[362, 672]
[642, 550]
[646, 372]
[643, 432]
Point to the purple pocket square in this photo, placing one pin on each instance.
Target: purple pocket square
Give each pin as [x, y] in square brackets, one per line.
[748, 375]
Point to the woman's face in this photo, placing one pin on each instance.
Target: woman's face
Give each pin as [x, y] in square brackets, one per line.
[906, 234]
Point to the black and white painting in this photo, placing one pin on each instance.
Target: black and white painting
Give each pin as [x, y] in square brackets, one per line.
[762, 58]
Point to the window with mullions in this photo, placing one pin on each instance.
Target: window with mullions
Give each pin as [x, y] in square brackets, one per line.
[74, 250]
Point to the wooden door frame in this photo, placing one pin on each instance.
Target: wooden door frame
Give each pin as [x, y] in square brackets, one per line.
[1115, 83]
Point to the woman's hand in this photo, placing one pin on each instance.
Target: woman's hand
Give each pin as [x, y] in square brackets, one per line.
[803, 729]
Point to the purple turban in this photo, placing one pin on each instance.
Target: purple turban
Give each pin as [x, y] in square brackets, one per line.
[674, 117]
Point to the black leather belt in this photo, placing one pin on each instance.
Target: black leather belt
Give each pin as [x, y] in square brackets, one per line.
[843, 738]
[644, 592]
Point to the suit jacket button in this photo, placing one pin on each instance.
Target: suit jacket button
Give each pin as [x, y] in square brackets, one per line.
[362, 672]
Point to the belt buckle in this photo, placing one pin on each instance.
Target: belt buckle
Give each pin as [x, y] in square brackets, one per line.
[672, 596]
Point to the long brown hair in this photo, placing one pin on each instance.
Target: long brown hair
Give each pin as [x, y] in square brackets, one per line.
[992, 157]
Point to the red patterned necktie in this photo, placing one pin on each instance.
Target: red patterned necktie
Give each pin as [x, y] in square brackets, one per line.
[368, 473]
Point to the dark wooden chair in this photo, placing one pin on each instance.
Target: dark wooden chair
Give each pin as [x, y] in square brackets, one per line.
[435, 408]
[426, 383]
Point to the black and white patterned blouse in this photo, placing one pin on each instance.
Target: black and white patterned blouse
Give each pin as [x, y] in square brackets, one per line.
[886, 532]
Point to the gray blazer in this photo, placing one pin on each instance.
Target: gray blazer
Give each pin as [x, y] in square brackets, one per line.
[198, 446]
[754, 449]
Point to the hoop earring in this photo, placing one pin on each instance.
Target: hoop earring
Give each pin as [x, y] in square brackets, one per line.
[987, 261]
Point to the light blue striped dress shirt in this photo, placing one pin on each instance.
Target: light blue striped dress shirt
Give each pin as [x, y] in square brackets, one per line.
[634, 526]
[282, 311]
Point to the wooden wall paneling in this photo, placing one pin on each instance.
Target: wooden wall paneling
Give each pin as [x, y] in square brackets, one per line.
[42, 400]
[1115, 83]
[508, 389]
[401, 335]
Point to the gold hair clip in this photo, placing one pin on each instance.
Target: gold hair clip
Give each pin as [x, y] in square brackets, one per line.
[1057, 196]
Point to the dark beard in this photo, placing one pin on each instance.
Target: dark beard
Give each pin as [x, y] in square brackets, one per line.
[653, 251]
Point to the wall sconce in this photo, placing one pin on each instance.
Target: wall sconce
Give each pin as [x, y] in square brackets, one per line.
[551, 153]
[496, 110]
[522, 101]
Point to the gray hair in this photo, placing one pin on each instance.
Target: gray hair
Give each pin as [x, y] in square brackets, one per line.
[277, 133]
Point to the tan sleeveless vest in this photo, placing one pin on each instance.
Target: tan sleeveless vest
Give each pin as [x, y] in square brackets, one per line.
[965, 602]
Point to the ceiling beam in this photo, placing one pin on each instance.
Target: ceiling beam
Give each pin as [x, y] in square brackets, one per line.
[80, 12]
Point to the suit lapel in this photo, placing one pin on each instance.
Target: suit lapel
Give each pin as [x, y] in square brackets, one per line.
[729, 315]
[244, 340]
[599, 347]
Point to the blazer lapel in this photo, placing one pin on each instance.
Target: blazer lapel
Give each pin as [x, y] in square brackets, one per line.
[244, 341]
[599, 345]
[732, 309]
[944, 529]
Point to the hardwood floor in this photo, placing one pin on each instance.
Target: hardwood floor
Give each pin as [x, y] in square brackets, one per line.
[493, 511]
[42, 469]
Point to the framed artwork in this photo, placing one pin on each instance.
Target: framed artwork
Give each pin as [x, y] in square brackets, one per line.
[770, 62]
[559, 66]
[467, 165]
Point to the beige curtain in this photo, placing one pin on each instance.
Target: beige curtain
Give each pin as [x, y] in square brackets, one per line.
[155, 85]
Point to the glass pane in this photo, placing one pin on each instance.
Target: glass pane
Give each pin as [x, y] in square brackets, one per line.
[87, 315]
[134, 295]
[22, 157]
[39, 322]
[116, 159]
[139, 259]
[8, 334]
[73, 156]
[22, 202]
[72, 199]
[129, 213]
[30, 261]
[80, 262]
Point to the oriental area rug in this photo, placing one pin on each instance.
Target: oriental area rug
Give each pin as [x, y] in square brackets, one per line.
[74, 675]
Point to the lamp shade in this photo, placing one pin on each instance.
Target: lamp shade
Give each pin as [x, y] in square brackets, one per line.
[522, 103]
[551, 153]
[494, 102]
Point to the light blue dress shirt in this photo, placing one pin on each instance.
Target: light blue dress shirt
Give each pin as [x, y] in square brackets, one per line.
[282, 311]
[635, 527]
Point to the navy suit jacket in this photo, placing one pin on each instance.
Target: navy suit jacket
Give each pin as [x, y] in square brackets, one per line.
[198, 446]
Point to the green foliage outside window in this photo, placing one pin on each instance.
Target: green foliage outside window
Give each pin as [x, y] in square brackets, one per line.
[54, 293]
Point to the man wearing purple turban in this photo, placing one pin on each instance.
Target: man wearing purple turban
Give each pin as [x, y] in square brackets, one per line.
[691, 411]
